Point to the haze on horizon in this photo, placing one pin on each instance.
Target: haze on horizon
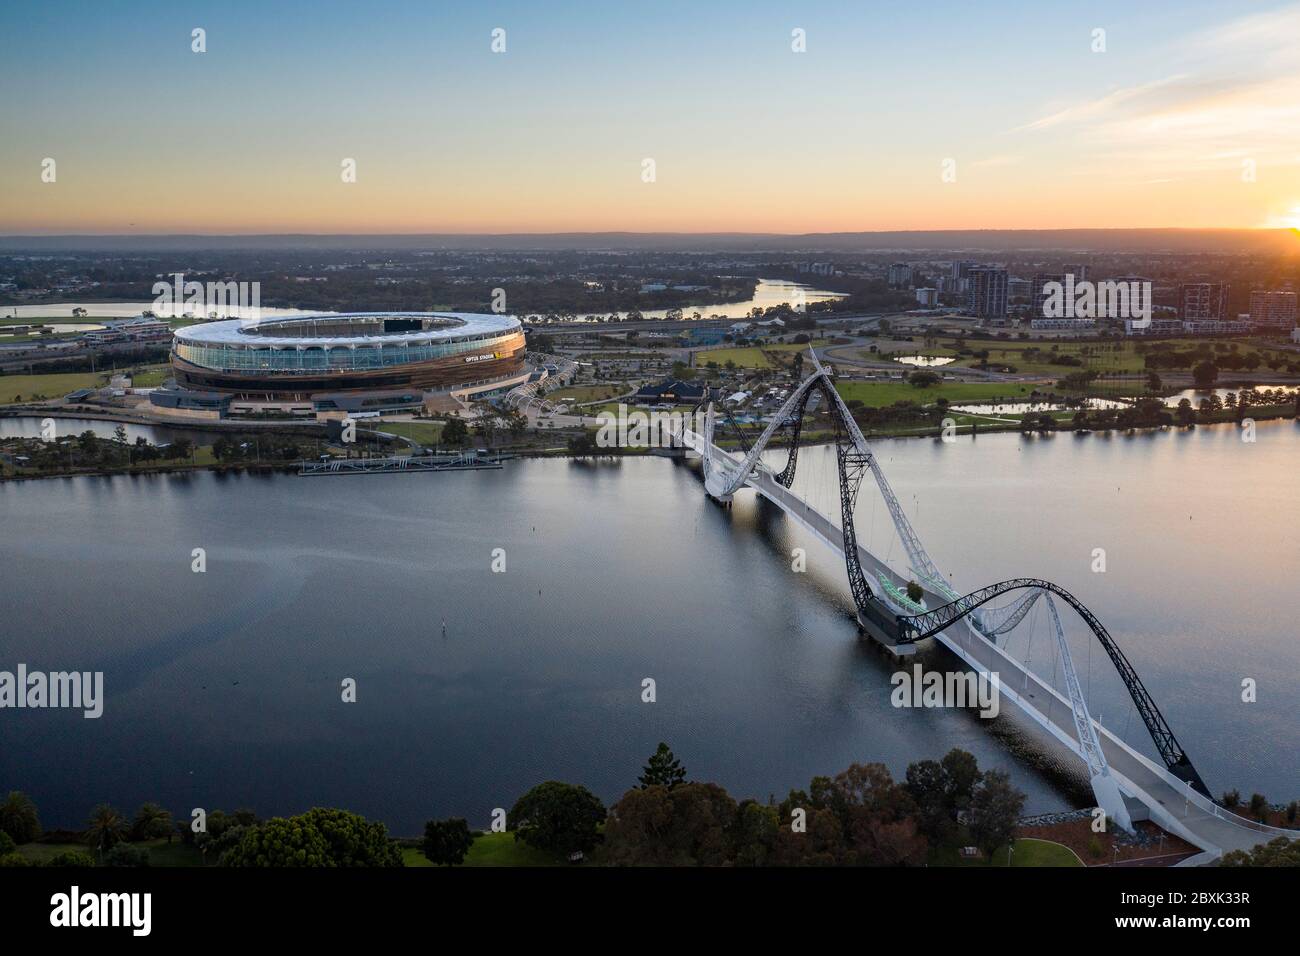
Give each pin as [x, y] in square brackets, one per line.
[1189, 118]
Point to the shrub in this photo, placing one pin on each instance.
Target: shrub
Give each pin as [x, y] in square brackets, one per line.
[71, 858]
[123, 854]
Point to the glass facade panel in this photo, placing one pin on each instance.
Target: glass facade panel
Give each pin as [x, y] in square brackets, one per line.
[268, 359]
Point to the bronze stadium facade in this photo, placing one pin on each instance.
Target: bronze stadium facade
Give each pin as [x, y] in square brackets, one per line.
[293, 357]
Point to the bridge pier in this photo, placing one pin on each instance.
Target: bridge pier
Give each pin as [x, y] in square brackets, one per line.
[891, 647]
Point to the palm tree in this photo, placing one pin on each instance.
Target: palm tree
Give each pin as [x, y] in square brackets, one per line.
[151, 821]
[105, 828]
[18, 817]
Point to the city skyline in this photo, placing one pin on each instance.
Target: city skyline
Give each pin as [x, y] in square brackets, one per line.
[1184, 121]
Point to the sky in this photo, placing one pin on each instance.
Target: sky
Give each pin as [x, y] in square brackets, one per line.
[962, 115]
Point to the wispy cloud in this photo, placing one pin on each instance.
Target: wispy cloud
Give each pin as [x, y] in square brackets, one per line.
[1246, 107]
[1098, 107]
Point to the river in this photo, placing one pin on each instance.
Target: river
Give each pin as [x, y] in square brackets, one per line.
[223, 687]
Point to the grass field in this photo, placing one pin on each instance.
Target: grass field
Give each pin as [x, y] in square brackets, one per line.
[748, 356]
[585, 393]
[151, 376]
[50, 386]
[491, 849]
[880, 394]
[1027, 852]
[161, 853]
[58, 384]
[1033, 357]
[426, 433]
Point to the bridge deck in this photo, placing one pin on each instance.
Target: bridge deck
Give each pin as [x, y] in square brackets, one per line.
[1170, 802]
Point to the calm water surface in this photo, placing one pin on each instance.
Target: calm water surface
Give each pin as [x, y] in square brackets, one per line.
[223, 688]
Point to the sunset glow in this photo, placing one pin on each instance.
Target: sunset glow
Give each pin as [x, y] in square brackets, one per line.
[1189, 117]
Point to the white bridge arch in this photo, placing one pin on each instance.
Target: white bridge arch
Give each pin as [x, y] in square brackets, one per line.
[1127, 784]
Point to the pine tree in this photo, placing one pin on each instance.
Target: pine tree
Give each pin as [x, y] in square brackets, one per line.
[663, 770]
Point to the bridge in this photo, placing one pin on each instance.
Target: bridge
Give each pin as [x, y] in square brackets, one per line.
[1127, 784]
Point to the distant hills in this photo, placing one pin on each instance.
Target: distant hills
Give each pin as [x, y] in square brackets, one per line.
[1266, 241]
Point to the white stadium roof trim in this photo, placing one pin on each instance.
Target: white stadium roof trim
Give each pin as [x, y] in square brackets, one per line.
[251, 333]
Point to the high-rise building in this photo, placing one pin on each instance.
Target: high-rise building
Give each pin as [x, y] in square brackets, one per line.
[928, 298]
[1273, 310]
[1202, 301]
[900, 275]
[986, 293]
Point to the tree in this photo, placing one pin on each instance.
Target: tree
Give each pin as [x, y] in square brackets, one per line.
[151, 821]
[753, 835]
[280, 842]
[353, 840]
[915, 592]
[663, 770]
[123, 854]
[321, 837]
[1280, 851]
[995, 809]
[19, 819]
[105, 828]
[1153, 382]
[923, 379]
[455, 432]
[558, 818]
[1258, 805]
[1205, 374]
[447, 841]
[689, 825]
[582, 444]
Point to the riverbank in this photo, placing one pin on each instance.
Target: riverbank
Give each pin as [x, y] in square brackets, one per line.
[962, 425]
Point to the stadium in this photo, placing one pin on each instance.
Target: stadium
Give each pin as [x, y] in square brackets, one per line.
[349, 360]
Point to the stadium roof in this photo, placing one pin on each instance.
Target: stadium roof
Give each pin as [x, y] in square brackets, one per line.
[252, 333]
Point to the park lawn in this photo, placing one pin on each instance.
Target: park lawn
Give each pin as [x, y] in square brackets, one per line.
[161, 853]
[750, 356]
[490, 849]
[176, 853]
[882, 394]
[151, 376]
[51, 386]
[1027, 852]
[584, 393]
[1098, 356]
[41, 853]
[612, 408]
[426, 433]
[501, 849]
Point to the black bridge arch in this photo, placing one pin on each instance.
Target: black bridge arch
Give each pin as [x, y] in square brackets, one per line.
[905, 629]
